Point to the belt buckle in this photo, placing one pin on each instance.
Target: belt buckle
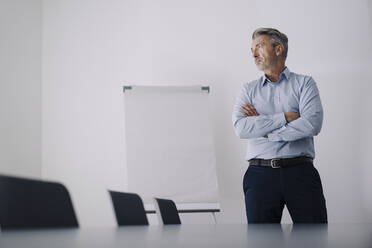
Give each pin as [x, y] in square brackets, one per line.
[273, 165]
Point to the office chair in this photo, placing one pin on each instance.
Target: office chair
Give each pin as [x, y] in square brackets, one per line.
[129, 209]
[27, 204]
[166, 211]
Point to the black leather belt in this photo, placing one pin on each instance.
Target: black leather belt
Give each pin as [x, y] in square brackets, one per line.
[280, 162]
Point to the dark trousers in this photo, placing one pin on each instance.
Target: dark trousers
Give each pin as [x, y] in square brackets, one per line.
[267, 190]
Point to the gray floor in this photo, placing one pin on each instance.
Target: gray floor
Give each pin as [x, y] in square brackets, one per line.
[220, 235]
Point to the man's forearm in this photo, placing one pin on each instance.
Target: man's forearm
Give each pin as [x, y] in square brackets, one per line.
[301, 128]
[248, 127]
[262, 128]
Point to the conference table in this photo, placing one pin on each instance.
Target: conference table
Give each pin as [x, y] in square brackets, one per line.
[350, 235]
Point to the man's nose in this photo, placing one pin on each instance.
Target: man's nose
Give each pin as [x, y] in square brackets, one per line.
[254, 53]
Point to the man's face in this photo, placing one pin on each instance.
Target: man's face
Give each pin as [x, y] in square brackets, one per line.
[263, 52]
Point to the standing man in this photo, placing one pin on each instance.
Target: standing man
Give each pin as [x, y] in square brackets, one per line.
[279, 114]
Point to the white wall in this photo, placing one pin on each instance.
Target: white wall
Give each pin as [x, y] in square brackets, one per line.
[366, 133]
[20, 87]
[82, 119]
[91, 48]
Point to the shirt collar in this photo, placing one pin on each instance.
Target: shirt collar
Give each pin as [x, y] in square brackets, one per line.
[285, 74]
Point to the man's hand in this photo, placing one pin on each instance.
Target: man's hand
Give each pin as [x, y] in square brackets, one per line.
[291, 116]
[249, 110]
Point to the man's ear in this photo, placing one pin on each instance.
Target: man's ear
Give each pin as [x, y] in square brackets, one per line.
[279, 50]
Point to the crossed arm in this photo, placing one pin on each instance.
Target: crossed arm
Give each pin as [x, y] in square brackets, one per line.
[286, 126]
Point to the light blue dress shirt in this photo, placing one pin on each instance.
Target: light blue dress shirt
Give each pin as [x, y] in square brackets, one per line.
[269, 135]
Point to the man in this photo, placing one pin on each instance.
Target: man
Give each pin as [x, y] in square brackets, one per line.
[279, 114]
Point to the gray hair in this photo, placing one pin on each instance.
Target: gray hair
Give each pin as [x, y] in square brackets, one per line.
[276, 38]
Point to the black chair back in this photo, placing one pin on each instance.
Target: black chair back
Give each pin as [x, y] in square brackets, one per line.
[129, 209]
[168, 211]
[26, 203]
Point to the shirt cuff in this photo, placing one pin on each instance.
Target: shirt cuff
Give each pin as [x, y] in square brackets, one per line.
[274, 137]
[279, 120]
